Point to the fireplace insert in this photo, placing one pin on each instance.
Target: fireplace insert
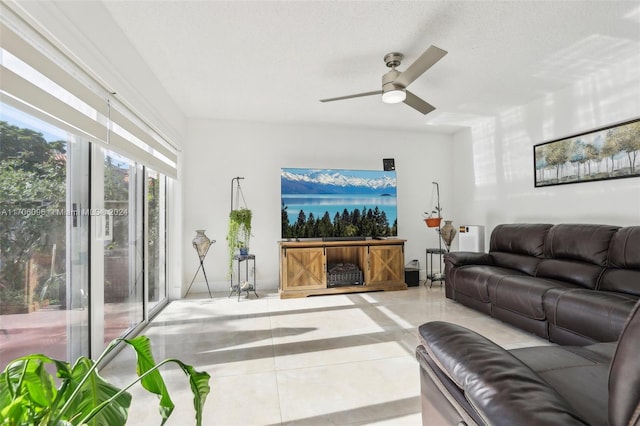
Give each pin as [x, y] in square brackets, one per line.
[343, 274]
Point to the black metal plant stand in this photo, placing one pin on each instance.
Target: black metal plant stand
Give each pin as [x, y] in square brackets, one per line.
[237, 286]
[250, 284]
[431, 275]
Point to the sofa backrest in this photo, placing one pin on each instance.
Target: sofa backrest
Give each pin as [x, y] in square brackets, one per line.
[518, 246]
[623, 267]
[624, 375]
[576, 253]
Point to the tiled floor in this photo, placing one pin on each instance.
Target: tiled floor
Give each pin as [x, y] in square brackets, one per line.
[328, 360]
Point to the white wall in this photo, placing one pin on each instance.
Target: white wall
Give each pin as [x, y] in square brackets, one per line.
[494, 176]
[218, 151]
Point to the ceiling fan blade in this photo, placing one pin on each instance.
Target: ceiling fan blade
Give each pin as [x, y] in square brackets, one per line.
[358, 95]
[427, 60]
[418, 104]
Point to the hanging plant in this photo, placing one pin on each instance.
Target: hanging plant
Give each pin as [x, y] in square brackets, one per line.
[434, 218]
[239, 232]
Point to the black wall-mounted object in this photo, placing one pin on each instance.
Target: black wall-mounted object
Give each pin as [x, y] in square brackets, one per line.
[388, 164]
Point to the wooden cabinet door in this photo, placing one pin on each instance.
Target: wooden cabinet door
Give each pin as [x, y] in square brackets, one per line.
[386, 265]
[303, 268]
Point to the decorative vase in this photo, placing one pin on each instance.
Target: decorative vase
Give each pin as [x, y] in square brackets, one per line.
[448, 232]
[244, 251]
[433, 222]
[201, 243]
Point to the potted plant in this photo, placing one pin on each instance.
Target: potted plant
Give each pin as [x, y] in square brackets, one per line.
[433, 219]
[242, 248]
[239, 232]
[28, 395]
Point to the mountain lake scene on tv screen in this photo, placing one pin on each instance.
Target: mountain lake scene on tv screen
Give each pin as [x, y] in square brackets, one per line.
[338, 203]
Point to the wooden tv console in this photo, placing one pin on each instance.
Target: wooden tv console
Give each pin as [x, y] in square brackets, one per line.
[303, 266]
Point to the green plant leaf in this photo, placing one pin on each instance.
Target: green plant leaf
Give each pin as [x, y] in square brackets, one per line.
[13, 412]
[28, 395]
[152, 381]
[91, 394]
[199, 381]
[25, 383]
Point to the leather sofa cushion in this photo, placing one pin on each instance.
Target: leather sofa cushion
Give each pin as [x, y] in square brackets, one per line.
[582, 242]
[624, 251]
[517, 238]
[624, 376]
[597, 315]
[522, 294]
[498, 385]
[553, 357]
[579, 374]
[518, 262]
[576, 272]
[472, 281]
[621, 281]
[461, 258]
[623, 271]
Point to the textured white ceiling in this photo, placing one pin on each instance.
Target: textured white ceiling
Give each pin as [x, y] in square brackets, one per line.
[272, 61]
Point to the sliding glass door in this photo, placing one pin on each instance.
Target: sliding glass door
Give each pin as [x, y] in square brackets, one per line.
[156, 237]
[82, 216]
[123, 245]
[43, 239]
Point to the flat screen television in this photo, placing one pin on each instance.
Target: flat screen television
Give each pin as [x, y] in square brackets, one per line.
[338, 204]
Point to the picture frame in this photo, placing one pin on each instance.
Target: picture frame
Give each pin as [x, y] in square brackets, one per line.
[611, 152]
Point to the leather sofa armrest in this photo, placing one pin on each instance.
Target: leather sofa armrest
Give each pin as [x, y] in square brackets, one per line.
[461, 258]
[500, 387]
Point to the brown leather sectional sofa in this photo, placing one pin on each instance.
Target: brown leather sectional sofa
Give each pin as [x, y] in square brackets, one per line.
[573, 284]
[468, 380]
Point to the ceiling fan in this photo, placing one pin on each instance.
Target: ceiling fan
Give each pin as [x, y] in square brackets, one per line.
[394, 82]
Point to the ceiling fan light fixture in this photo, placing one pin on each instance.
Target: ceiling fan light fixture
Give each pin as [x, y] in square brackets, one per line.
[394, 96]
[394, 82]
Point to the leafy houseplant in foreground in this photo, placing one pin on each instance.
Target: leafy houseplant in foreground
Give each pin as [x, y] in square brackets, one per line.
[28, 395]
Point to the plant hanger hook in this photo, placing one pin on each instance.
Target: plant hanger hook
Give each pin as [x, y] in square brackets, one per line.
[239, 194]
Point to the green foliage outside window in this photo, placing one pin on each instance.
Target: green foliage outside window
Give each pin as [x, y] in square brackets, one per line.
[32, 180]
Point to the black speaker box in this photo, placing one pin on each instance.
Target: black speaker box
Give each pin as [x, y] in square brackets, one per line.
[412, 277]
[388, 164]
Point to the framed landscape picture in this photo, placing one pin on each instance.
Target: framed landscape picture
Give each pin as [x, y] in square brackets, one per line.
[610, 152]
